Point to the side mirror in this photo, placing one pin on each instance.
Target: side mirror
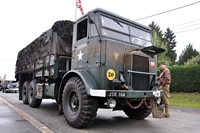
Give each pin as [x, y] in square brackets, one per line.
[91, 17]
[152, 50]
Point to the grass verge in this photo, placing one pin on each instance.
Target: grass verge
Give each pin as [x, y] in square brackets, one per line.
[188, 100]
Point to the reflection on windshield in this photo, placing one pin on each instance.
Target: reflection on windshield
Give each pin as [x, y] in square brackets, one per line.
[140, 37]
[140, 34]
[114, 24]
[139, 41]
[116, 35]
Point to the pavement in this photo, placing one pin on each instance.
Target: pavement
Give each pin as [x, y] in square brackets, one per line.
[14, 120]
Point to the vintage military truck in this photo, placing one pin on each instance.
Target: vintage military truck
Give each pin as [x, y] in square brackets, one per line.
[101, 60]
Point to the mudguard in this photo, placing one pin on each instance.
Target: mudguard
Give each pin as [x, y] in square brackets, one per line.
[88, 81]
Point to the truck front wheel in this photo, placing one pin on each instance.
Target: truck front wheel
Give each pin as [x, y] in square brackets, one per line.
[32, 100]
[139, 113]
[25, 92]
[79, 109]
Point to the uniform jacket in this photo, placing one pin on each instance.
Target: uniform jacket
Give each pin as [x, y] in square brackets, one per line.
[165, 77]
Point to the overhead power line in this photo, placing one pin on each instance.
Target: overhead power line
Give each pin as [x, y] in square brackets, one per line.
[184, 23]
[187, 26]
[168, 11]
[187, 30]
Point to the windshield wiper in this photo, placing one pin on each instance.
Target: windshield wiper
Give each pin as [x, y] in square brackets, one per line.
[144, 43]
[118, 22]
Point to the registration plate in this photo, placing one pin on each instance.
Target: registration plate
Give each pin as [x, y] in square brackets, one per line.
[116, 94]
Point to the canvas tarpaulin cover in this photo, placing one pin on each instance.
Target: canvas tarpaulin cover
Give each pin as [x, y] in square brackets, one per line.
[56, 41]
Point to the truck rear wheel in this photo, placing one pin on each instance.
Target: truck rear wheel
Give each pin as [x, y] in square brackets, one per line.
[25, 92]
[139, 113]
[79, 109]
[32, 100]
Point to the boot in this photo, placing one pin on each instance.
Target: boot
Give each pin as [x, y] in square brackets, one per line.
[166, 114]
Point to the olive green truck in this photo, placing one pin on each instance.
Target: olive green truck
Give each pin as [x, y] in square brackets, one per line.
[101, 60]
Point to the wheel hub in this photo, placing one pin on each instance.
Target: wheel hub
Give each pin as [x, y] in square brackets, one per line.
[74, 102]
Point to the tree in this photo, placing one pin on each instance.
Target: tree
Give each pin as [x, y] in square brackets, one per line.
[159, 41]
[156, 29]
[187, 54]
[171, 44]
[193, 61]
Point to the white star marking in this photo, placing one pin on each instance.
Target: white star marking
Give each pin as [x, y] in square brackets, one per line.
[80, 56]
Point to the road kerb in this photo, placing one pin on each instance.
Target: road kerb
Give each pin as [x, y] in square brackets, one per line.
[32, 120]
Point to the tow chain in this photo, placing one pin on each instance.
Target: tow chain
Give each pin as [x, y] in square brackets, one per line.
[140, 104]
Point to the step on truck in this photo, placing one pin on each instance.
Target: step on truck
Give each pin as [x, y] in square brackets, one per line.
[101, 60]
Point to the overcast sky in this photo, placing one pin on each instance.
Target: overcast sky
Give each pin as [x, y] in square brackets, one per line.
[24, 20]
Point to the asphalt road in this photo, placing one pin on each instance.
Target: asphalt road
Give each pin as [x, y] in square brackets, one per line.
[12, 122]
[182, 120]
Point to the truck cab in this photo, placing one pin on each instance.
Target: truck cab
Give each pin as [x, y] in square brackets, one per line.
[115, 52]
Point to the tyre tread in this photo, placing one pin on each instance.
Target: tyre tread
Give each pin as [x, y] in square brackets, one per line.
[88, 109]
[35, 102]
[26, 85]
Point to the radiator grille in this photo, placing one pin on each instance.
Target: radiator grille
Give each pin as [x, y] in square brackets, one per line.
[140, 81]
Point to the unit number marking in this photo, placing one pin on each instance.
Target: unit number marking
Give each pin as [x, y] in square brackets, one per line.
[110, 74]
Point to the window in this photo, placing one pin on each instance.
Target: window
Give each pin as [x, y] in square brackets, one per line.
[116, 35]
[140, 37]
[139, 41]
[140, 34]
[82, 30]
[114, 24]
[117, 29]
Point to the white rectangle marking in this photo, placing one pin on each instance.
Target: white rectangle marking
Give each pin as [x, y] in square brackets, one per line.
[98, 93]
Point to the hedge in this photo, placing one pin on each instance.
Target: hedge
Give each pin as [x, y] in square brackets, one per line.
[185, 78]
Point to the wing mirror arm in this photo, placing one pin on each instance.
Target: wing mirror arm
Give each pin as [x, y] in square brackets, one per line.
[152, 50]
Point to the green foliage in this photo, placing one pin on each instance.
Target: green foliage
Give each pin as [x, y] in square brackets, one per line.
[193, 61]
[185, 78]
[159, 41]
[188, 53]
[156, 29]
[171, 44]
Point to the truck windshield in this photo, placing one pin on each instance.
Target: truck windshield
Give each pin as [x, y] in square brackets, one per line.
[140, 37]
[114, 24]
[116, 29]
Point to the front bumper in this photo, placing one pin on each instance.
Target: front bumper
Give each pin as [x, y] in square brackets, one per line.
[12, 89]
[126, 93]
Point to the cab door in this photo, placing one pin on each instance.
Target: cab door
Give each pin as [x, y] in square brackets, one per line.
[80, 45]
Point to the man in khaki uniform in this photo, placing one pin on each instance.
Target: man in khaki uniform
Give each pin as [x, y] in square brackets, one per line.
[165, 80]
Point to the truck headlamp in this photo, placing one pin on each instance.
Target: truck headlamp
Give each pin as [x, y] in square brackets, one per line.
[112, 103]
